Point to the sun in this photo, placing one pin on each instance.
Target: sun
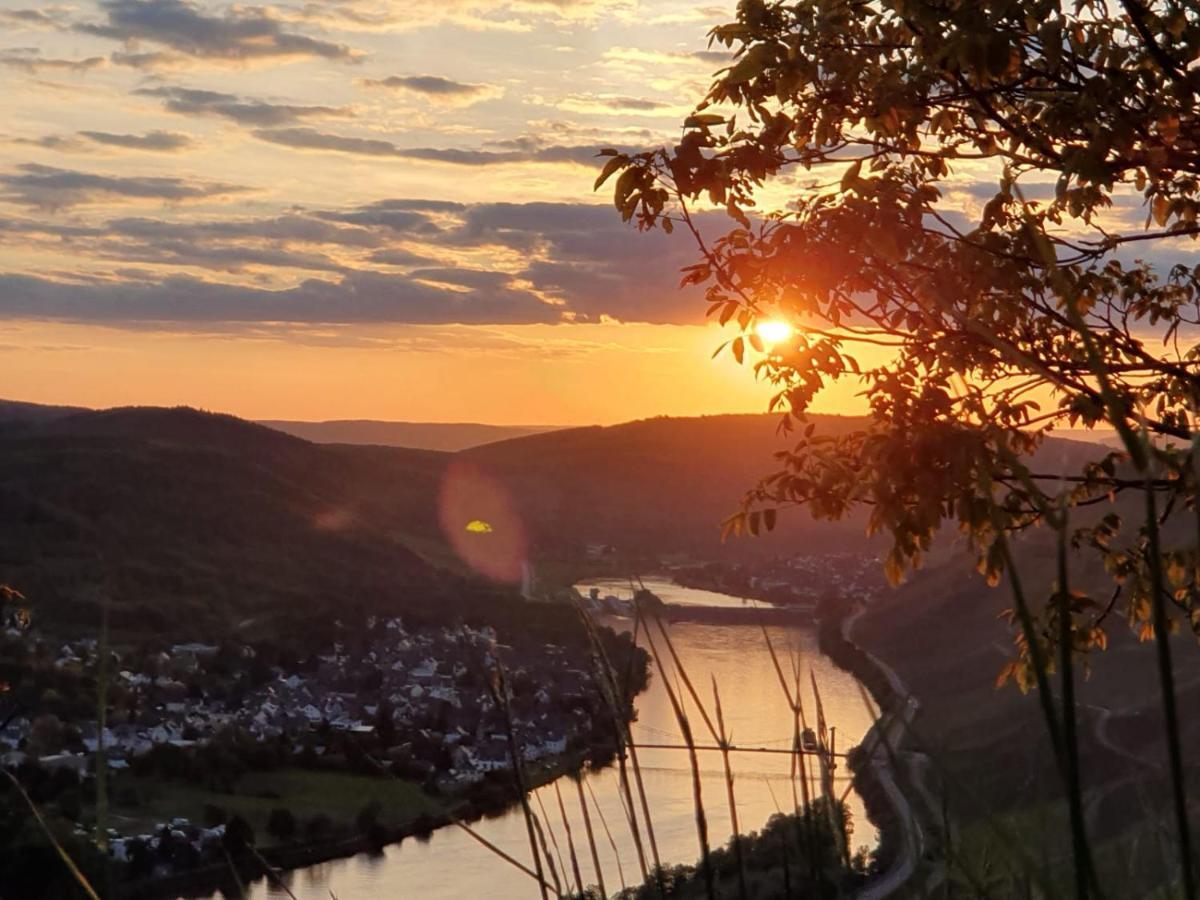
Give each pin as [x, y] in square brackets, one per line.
[773, 331]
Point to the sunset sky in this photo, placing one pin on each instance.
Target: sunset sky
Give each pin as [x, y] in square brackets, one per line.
[350, 209]
[364, 208]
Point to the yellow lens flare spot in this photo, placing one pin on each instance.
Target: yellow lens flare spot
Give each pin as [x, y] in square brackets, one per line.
[773, 331]
[478, 526]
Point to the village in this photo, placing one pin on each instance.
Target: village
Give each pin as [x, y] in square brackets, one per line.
[417, 704]
[801, 580]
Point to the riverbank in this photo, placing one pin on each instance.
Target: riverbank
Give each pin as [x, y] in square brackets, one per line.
[872, 762]
[251, 864]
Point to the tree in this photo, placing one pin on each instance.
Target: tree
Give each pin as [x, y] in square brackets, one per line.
[368, 816]
[837, 142]
[318, 827]
[989, 326]
[239, 834]
[282, 825]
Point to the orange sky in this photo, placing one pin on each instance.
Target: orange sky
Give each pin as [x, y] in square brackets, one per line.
[368, 209]
[552, 375]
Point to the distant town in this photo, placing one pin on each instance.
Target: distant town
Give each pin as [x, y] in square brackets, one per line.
[419, 705]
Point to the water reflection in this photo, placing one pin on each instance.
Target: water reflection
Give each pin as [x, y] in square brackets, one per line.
[667, 591]
[452, 865]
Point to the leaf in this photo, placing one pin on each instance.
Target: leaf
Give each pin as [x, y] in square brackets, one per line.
[1161, 209]
[850, 178]
[609, 167]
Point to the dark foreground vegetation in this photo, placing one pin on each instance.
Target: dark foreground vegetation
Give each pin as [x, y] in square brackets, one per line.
[794, 855]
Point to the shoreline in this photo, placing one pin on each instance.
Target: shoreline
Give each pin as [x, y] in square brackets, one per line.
[901, 840]
[284, 858]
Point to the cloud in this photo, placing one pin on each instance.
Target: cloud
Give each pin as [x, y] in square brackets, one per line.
[154, 141]
[356, 298]
[311, 139]
[476, 15]
[30, 60]
[49, 18]
[90, 141]
[148, 60]
[289, 229]
[258, 113]
[438, 89]
[399, 216]
[399, 257]
[397, 260]
[241, 34]
[610, 104]
[47, 187]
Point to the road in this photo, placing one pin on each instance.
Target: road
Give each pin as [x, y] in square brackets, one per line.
[913, 847]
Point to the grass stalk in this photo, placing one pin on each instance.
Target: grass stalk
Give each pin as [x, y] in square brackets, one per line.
[1166, 678]
[541, 836]
[562, 809]
[798, 767]
[508, 858]
[273, 874]
[545, 817]
[608, 834]
[1081, 852]
[617, 698]
[591, 838]
[685, 729]
[75, 871]
[725, 743]
[101, 831]
[499, 689]
[1033, 647]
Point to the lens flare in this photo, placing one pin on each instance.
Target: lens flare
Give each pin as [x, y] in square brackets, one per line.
[480, 519]
[774, 331]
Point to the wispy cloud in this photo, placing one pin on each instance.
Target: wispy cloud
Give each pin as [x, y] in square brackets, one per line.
[49, 17]
[438, 89]
[259, 113]
[311, 139]
[31, 60]
[240, 34]
[47, 187]
[93, 141]
[154, 141]
[396, 261]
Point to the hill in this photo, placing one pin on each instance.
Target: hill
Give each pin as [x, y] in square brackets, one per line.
[17, 413]
[980, 750]
[661, 485]
[198, 523]
[449, 436]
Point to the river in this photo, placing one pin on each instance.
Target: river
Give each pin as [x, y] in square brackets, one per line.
[451, 865]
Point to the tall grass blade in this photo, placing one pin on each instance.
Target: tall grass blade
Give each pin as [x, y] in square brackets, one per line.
[101, 722]
[591, 839]
[608, 834]
[615, 698]
[1166, 678]
[78, 875]
[697, 792]
[541, 836]
[1081, 851]
[725, 743]
[499, 691]
[272, 873]
[562, 809]
[545, 817]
